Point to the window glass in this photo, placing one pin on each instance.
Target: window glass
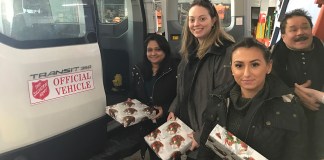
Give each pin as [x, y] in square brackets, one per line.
[112, 11]
[41, 19]
[223, 8]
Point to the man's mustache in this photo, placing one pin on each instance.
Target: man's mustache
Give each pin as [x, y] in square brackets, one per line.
[300, 38]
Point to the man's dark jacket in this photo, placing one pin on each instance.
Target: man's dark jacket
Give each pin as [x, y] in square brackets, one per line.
[315, 73]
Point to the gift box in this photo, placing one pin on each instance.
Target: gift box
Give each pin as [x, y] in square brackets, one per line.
[228, 146]
[170, 139]
[130, 112]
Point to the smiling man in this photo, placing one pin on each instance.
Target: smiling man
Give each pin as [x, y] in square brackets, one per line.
[299, 58]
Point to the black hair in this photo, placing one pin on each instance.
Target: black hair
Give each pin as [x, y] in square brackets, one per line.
[294, 13]
[164, 46]
[250, 42]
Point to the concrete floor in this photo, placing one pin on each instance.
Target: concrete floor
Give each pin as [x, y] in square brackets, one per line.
[137, 156]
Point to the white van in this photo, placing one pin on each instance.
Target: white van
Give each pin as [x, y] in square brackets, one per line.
[52, 97]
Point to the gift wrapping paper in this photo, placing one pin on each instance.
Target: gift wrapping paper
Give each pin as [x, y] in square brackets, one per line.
[170, 139]
[228, 146]
[130, 112]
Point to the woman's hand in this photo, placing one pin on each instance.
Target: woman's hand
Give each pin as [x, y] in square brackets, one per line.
[194, 143]
[171, 116]
[160, 112]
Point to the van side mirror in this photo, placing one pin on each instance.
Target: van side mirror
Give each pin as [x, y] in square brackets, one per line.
[91, 37]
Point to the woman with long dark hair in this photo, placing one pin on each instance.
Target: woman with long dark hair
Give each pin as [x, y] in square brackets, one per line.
[258, 108]
[154, 81]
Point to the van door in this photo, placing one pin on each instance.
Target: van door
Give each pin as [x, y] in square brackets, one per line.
[121, 32]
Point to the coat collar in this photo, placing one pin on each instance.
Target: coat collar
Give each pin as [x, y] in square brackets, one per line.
[219, 50]
[277, 87]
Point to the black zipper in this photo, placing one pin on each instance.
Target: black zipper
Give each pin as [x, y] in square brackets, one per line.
[170, 69]
[139, 71]
[250, 124]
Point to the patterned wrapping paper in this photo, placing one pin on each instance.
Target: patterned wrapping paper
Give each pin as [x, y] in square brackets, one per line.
[130, 112]
[228, 146]
[170, 139]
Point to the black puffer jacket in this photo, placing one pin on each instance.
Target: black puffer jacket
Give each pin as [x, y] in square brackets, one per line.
[164, 89]
[274, 125]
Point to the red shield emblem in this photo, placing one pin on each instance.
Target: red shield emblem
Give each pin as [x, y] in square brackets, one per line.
[40, 89]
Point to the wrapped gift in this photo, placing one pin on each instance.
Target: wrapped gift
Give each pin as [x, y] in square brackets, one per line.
[130, 112]
[228, 146]
[170, 139]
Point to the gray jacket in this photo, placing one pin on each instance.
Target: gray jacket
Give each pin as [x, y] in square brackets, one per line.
[212, 70]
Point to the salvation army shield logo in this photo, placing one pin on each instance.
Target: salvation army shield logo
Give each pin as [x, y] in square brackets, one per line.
[40, 89]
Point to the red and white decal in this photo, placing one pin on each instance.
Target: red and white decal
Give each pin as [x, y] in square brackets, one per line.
[41, 90]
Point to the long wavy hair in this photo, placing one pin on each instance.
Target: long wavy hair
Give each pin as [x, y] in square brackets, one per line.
[215, 37]
[164, 46]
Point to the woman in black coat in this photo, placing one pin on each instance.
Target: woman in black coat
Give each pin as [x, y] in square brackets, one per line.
[258, 108]
[154, 81]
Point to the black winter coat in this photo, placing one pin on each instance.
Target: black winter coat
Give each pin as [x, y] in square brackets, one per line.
[275, 124]
[282, 57]
[164, 89]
